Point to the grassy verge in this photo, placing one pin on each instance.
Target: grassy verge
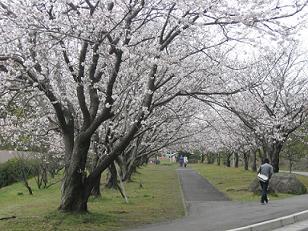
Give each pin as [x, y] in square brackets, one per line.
[234, 182]
[159, 199]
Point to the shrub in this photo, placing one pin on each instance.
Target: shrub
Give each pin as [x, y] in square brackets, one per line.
[11, 170]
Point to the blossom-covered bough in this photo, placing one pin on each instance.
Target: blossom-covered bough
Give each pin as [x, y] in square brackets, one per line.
[92, 61]
[276, 106]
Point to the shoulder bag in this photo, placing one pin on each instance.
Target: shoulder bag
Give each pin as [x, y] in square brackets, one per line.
[262, 177]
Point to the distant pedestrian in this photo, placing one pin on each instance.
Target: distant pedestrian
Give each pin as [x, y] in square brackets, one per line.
[267, 170]
[185, 161]
[181, 160]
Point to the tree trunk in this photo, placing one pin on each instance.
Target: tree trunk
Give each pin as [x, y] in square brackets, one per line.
[96, 190]
[38, 178]
[73, 197]
[75, 190]
[27, 184]
[261, 153]
[209, 159]
[246, 160]
[275, 161]
[202, 158]
[290, 165]
[24, 177]
[273, 150]
[254, 161]
[218, 159]
[76, 187]
[236, 160]
[113, 178]
[228, 160]
[129, 167]
[128, 175]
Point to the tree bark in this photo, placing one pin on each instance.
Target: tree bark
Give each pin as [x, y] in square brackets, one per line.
[218, 159]
[96, 190]
[254, 161]
[113, 178]
[272, 150]
[275, 160]
[24, 178]
[75, 190]
[236, 160]
[246, 160]
[202, 158]
[73, 197]
[228, 160]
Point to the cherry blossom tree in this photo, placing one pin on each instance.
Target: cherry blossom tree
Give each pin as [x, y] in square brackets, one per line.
[163, 128]
[277, 107]
[222, 132]
[92, 60]
[38, 139]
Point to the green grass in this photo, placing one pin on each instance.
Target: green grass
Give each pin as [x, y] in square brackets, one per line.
[158, 200]
[234, 182]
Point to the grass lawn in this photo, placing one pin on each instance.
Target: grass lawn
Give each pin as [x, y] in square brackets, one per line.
[158, 200]
[234, 182]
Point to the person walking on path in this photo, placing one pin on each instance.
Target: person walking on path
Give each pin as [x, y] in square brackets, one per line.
[181, 160]
[267, 170]
[185, 161]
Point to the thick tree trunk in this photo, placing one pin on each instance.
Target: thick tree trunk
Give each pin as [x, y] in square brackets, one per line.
[74, 197]
[76, 187]
[75, 190]
[96, 191]
[273, 150]
[275, 160]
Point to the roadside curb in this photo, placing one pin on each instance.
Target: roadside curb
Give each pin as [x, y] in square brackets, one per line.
[182, 195]
[275, 223]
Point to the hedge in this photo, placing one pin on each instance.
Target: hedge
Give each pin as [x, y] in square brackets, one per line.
[11, 170]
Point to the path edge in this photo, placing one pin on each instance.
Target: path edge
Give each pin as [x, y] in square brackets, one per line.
[275, 223]
[182, 194]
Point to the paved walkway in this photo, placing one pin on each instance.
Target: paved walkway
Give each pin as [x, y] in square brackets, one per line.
[296, 172]
[209, 210]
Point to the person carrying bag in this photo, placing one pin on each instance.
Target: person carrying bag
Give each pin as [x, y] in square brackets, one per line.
[265, 173]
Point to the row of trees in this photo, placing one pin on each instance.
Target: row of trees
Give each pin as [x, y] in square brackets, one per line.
[119, 81]
[264, 117]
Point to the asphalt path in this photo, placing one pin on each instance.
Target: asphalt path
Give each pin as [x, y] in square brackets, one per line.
[296, 172]
[210, 210]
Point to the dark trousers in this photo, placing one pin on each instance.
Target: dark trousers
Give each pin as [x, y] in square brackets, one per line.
[264, 186]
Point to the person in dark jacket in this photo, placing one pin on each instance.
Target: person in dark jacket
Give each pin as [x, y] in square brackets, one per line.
[181, 160]
[267, 170]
